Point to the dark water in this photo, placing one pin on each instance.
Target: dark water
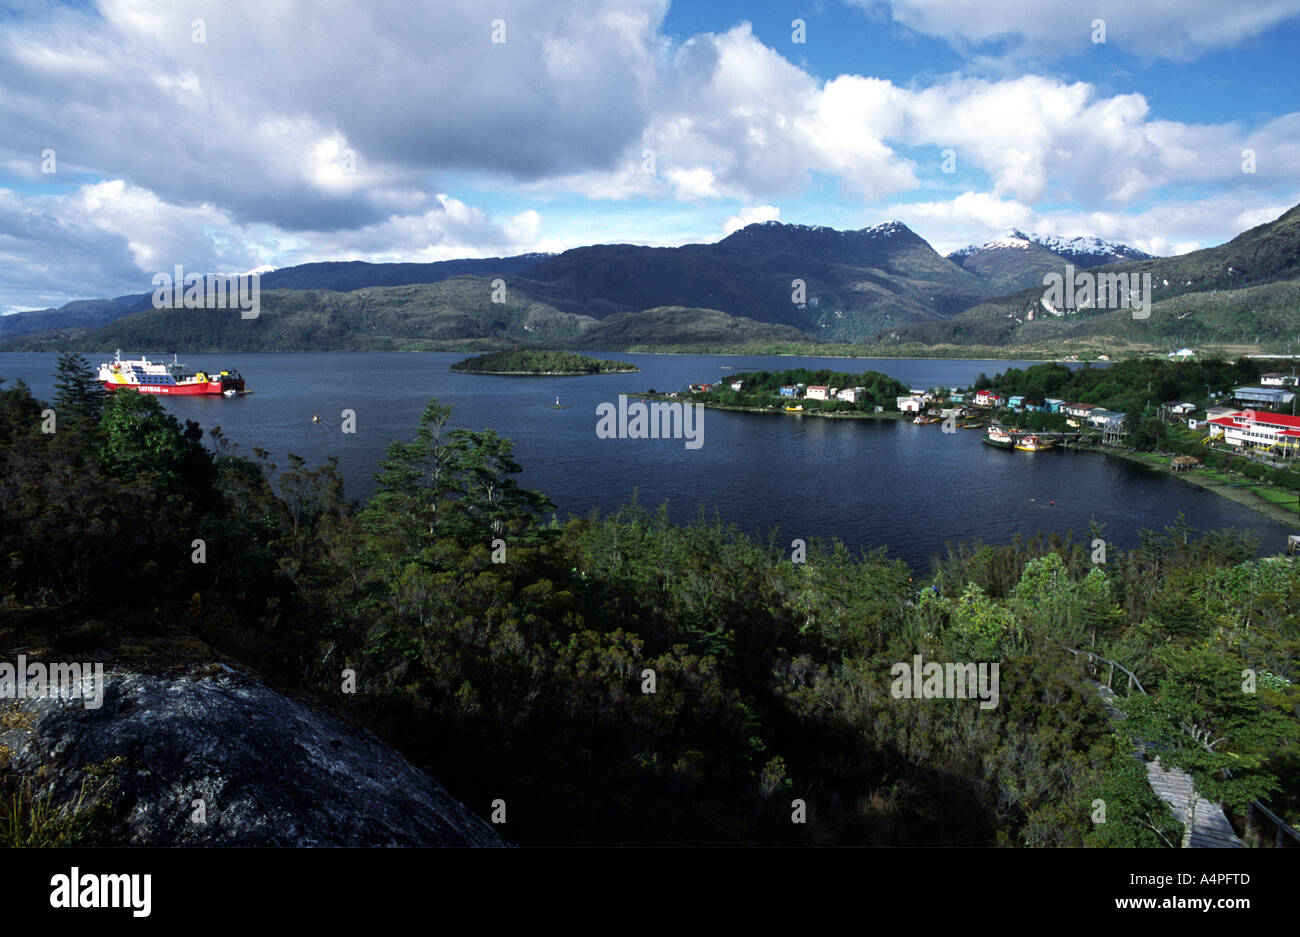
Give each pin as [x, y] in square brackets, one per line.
[870, 483]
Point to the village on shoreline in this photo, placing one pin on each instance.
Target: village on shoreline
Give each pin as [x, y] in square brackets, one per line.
[1234, 441]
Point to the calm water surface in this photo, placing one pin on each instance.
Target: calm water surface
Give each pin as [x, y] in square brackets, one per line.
[869, 483]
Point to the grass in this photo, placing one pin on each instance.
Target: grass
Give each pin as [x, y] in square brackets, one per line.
[1280, 497]
[29, 819]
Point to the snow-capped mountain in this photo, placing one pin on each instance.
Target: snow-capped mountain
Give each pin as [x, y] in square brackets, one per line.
[1018, 260]
[1081, 251]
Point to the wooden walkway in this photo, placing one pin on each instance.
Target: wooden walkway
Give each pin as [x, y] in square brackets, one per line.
[1206, 827]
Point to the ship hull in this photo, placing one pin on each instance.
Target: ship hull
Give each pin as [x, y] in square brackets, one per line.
[997, 443]
[196, 389]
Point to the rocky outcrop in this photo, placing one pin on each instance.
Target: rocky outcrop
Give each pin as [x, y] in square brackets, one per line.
[267, 770]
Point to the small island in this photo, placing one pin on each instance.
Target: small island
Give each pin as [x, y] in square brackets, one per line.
[541, 364]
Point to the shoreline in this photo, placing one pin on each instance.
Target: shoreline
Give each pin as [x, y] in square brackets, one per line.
[736, 408]
[1242, 495]
[546, 373]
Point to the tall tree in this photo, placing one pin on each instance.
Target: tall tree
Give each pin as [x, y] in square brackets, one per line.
[444, 483]
[77, 389]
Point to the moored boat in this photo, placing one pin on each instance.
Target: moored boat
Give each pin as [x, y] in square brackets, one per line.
[998, 437]
[1034, 444]
[153, 377]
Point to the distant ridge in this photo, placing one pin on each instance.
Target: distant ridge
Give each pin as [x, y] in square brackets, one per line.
[1083, 251]
[768, 282]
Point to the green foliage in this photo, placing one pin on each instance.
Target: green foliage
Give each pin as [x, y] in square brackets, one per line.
[138, 438]
[540, 362]
[1202, 720]
[1134, 818]
[78, 393]
[762, 389]
[1128, 386]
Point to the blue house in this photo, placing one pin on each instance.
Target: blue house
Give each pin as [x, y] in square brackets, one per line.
[789, 390]
[957, 397]
[1055, 404]
[1034, 405]
[1016, 402]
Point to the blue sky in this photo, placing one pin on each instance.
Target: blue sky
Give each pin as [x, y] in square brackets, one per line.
[255, 134]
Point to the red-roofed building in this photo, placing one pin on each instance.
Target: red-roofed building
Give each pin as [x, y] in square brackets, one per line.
[1255, 429]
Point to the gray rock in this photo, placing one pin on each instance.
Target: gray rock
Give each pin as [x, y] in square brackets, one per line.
[270, 771]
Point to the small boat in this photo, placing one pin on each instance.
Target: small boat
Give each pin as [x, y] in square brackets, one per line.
[1034, 444]
[794, 409]
[230, 392]
[315, 417]
[999, 437]
[559, 406]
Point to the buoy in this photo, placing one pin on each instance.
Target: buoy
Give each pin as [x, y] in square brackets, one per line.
[1053, 503]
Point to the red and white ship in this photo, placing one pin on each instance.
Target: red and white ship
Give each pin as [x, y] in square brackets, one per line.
[151, 377]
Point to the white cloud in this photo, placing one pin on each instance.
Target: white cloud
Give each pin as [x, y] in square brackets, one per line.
[1173, 29]
[108, 238]
[329, 133]
[748, 216]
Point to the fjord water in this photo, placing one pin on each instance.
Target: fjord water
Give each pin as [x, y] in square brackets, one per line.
[868, 482]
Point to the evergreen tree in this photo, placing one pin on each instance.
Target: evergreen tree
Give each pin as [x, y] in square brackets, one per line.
[77, 389]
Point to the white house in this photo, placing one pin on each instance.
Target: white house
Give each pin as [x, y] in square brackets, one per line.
[1183, 354]
[851, 394]
[909, 404]
[817, 392]
[1101, 418]
[1253, 429]
[1277, 379]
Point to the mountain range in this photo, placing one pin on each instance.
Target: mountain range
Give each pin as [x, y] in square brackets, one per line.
[767, 283]
[1242, 294]
[1017, 260]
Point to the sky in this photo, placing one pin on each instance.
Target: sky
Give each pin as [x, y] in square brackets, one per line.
[240, 136]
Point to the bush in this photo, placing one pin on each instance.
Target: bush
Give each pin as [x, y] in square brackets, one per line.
[1285, 478]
